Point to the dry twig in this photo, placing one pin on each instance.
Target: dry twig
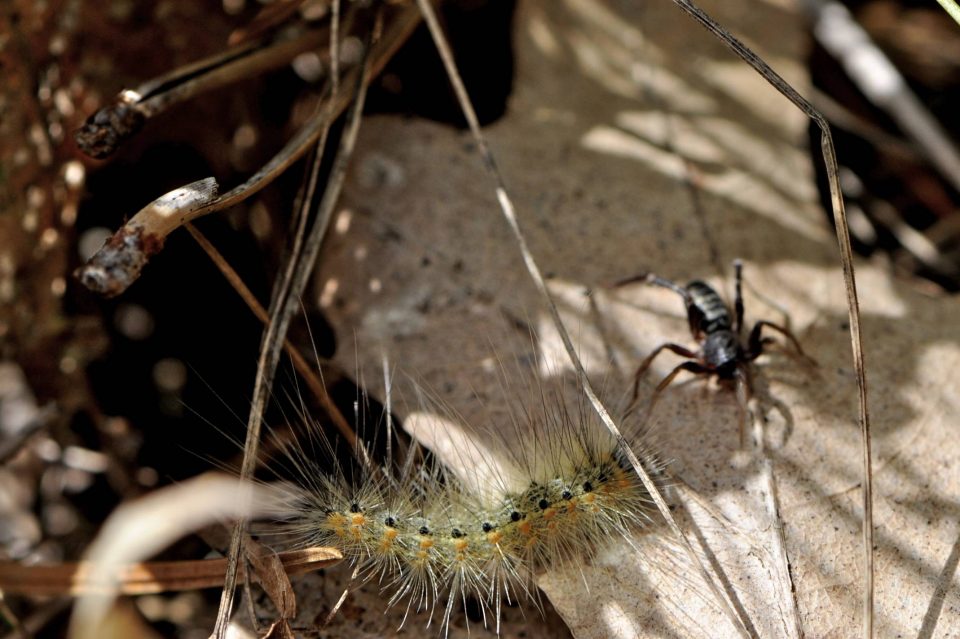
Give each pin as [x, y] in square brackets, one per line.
[119, 262]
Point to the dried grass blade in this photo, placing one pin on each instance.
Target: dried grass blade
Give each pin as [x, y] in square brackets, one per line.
[306, 370]
[75, 578]
[285, 302]
[846, 260]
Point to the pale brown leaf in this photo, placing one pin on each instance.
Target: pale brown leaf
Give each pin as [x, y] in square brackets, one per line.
[634, 143]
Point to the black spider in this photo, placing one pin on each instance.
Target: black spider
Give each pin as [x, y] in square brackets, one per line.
[719, 332]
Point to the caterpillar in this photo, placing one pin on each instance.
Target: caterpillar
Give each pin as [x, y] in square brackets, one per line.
[550, 489]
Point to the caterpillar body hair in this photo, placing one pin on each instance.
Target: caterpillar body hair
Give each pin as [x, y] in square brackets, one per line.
[544, 487]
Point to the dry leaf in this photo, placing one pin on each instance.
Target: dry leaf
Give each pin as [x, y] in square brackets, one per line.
[633, 142]
[272, 577]
[279, 629]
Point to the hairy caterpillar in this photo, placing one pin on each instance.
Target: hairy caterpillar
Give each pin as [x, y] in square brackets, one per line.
[550, 488]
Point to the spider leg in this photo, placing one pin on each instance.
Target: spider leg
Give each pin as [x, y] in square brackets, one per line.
[741, 378]
[694, 367]
[755, 343]
[656, 280]
[645, 364]
[738, 298]
[691, 366]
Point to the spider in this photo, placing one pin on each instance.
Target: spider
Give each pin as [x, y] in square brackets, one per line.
[723, 352]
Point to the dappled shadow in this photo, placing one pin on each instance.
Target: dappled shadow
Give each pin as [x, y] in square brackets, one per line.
[603, 192]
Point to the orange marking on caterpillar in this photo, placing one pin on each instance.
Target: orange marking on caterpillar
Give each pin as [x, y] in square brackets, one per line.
[549, 513]
[620, 479]
[494, 537]
[336, 520]
[460, 545]
[525, 527]
[426, 543]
